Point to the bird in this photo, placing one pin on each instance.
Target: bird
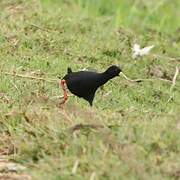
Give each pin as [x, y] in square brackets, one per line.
[137, 51]
[84, 84]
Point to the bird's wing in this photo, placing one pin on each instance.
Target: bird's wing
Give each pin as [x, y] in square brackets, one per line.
[145, 50]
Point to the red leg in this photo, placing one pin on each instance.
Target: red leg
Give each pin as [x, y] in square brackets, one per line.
[62, 83]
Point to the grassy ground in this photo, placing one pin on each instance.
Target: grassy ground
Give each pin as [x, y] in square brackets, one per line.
[133, 130]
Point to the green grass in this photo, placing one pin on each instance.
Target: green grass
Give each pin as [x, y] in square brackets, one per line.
[139, 133]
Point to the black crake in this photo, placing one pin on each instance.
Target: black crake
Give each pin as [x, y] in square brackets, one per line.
[85, 83]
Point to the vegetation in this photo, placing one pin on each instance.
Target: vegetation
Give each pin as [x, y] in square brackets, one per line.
[133, 129]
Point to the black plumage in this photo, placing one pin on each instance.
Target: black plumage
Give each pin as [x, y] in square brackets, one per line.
[85, 83]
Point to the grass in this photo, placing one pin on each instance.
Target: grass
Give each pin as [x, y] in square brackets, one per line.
[137, 133]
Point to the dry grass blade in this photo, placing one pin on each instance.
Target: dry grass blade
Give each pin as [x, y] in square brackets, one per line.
[166, 57]
[30, 77]
[173, 83]
[38, 27]
[74, 169]
[90, 126]
[93, 175]
[141, 80]
[85, 126]
[4, 98]
[174, 78]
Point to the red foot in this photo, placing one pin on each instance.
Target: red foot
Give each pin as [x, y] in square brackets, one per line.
[62, 84]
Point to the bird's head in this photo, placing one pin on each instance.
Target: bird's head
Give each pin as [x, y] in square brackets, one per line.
[113, 71]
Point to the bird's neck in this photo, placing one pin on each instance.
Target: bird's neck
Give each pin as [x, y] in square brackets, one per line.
[104, 77]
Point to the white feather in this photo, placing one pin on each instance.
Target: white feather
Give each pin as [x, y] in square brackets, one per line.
[137, 51]
[145, 50]
[136, 47]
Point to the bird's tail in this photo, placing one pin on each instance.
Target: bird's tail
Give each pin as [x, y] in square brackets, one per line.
[69, 70]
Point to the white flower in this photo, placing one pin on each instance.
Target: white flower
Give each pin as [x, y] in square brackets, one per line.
[140, 52]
